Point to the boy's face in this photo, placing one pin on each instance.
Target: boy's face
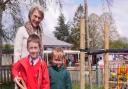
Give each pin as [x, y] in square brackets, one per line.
[57, 62]
[33, 49]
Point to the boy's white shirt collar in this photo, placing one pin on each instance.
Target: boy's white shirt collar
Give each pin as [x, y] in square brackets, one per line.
[34, 61]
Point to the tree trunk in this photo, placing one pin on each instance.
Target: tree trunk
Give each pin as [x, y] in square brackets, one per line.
[1, 11]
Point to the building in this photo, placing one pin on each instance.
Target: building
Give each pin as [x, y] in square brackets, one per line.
[50, 42]
[6, 56]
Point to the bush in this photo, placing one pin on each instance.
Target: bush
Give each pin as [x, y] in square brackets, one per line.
[6, 46]
[7, 86]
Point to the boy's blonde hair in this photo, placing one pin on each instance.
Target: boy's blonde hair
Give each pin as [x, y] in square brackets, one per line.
[57, 53]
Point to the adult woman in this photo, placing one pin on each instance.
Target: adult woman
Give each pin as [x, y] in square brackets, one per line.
[35, 17]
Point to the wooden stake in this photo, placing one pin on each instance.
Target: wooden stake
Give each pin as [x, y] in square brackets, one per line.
[82, 53]
[106, 56]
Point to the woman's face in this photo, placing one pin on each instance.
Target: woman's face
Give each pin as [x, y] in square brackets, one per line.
[36, 18]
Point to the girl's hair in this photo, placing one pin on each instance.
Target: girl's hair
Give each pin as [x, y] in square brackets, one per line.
[57, 53]
[34, 38]
[38, 8]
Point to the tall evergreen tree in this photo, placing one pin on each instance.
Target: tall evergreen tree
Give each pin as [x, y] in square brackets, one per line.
[62, 30]
[75, 28]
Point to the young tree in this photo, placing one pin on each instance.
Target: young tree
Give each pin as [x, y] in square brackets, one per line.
[95, 29]
[94, 33]
[112, 27]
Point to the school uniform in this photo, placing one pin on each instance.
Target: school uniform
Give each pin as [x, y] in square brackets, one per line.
[35, 75]
[59, 78]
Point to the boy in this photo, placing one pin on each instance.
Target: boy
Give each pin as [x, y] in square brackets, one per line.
[59, 76]
[31, 72]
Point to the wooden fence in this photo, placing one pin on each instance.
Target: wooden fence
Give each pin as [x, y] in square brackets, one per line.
[6, 59]
[5, 74]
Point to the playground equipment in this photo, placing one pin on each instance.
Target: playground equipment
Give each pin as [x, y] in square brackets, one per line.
[119, 74]
[117, 83]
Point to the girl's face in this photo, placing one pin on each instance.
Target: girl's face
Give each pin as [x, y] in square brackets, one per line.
[33, 49]
[57, 62]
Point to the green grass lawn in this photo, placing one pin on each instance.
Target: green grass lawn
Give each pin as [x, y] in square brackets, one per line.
[7, 86]
[74, 86]
[77, 86]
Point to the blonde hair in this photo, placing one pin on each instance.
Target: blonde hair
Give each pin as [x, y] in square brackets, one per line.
[57, 53]
[34, 8]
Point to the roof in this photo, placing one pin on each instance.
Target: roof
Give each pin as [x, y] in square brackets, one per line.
[65, 51]
[51, 42]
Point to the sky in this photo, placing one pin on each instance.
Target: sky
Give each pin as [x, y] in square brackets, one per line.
[119, 11]
[118, 8]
